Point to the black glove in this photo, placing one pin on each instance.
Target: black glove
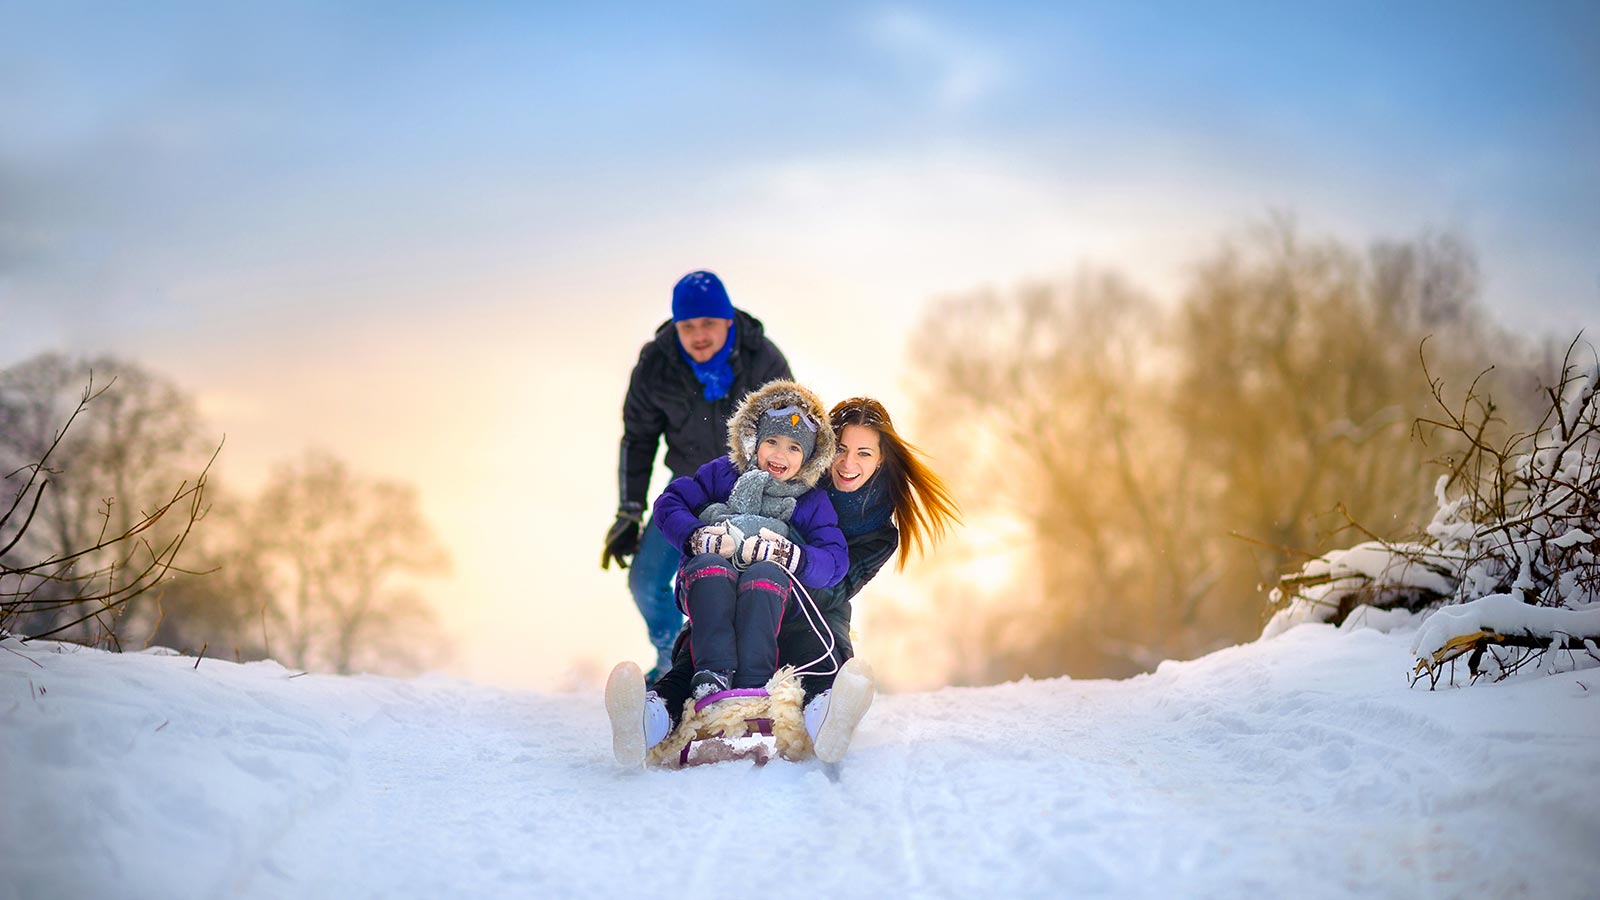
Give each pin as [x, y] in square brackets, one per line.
[623, 538]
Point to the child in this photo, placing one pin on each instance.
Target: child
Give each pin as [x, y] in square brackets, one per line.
[749, 524]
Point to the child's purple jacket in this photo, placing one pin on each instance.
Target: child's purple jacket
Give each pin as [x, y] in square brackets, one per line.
[814, 526]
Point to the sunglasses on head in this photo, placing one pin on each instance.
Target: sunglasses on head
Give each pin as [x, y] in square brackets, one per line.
[864, 413]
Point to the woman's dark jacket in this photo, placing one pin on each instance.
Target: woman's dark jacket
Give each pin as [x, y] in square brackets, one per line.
[868, 553]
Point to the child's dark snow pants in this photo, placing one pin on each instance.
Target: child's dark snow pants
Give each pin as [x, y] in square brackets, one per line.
[734, 617]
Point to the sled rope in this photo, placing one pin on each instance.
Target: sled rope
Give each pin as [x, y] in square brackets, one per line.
[822, 631]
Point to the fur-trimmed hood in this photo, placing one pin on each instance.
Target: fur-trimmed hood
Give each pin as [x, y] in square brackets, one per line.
[776, 395]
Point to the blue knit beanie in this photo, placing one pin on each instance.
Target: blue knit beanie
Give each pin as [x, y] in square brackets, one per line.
[700, 295]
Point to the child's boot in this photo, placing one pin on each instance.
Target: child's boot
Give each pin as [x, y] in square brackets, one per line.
[831, 718]
[709, 681]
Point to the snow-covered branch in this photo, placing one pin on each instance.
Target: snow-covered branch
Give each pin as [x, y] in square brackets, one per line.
[1502, 622]
[1508, 566]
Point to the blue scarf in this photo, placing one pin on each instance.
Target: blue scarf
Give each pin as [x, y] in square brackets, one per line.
[716, 373]
[861, 511]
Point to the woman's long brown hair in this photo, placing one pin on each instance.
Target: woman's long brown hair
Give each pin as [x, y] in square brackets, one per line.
[923, 507]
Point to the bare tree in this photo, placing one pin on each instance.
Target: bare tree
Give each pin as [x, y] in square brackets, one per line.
[79, 585]
[336, 549]
[1133, 438]
[105, 474]
[222, 606]
[1297, 384]
[313, 570]
[1044, 407]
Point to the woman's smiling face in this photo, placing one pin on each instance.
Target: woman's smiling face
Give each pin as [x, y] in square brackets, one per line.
[857, 459]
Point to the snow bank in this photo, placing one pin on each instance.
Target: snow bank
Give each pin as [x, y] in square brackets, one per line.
[1302, 766]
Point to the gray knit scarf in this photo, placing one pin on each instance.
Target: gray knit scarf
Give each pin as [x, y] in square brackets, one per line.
[757, 501]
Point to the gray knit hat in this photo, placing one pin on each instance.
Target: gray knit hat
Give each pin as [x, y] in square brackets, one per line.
[750, 418]
[790, 421]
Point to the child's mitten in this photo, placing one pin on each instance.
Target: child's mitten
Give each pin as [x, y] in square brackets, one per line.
[712, 539]
[769, 545]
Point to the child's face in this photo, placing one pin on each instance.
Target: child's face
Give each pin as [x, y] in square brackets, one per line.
[780, 456]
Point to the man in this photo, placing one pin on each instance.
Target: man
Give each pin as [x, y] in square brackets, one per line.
[687, 382]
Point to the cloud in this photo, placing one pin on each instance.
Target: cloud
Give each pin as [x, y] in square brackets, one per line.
[960, 71]
[917, 224]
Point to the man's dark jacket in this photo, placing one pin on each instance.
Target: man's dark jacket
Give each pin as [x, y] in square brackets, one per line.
[666, 400]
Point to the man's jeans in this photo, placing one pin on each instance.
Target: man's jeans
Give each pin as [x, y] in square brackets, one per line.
[650, 581]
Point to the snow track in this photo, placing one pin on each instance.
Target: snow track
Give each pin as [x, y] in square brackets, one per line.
[1299, 766]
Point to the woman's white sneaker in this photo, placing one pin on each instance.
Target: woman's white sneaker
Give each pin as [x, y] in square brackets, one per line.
[625, 706]
[639, 720]
[831, 718]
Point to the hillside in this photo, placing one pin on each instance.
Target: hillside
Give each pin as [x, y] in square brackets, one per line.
[1303, 765]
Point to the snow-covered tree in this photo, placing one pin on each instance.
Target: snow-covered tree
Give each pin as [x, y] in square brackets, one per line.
[1508, 569]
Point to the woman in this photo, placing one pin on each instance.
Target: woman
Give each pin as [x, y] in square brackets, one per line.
[887, 499]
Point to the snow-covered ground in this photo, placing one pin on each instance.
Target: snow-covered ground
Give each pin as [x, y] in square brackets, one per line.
[1299, 766]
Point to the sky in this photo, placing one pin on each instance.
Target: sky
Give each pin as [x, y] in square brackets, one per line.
[431, 240]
